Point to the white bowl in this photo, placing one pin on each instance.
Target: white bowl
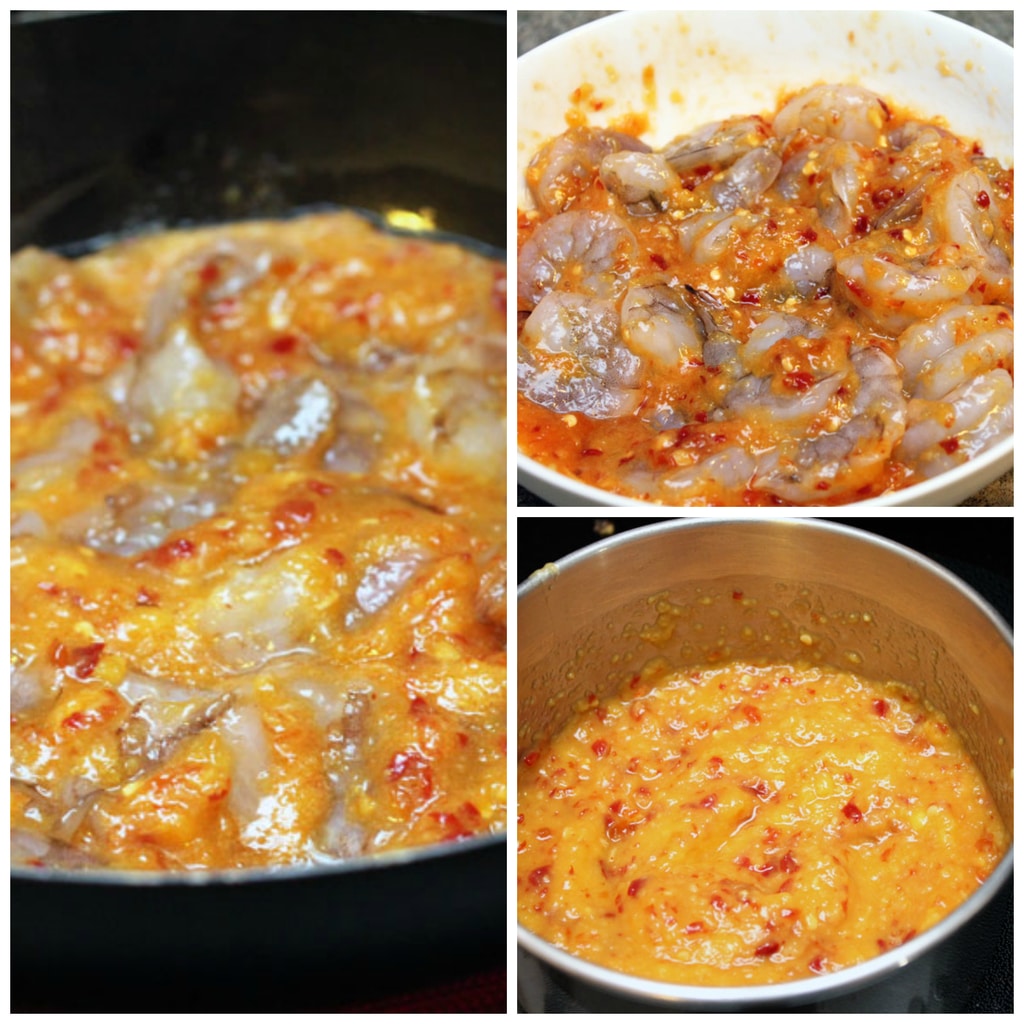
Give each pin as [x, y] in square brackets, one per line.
[706, 67]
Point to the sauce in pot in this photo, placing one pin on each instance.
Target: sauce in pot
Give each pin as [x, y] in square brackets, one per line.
[748, 824]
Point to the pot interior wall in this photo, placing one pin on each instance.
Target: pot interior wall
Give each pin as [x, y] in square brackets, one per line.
[767, 592]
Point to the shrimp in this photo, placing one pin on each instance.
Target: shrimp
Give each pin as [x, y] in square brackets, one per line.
[707, 235]
[961, 213]
[567, 165]
[747, 179]
[846, 112]
[972, 418]
[942, 353]
[836, 463]
[571, 358]
[643, 181]
[578, 251]
[890, 294]
[844, 169]
[660, 324]
[717, 144]
[809, 270]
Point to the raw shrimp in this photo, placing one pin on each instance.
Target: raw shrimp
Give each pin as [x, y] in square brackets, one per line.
[837, 462]
[945, 433]
[716, 144]
[742, 315]
[569, 162]
[962, 213]
[891, 294]
[942, 353]
[750, 176]
[578, 251]
[846, 112]
[572, 358]
[658, 322]
[643, 181]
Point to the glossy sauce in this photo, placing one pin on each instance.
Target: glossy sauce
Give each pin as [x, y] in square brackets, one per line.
[749, 824]
[258, 547]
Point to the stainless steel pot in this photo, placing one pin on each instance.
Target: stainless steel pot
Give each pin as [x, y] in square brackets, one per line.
[863, 602]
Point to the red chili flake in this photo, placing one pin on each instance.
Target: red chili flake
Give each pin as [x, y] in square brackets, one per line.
[852, 811]
[285, 344]
[817, 965]
[861, 225]
[785, 680]
[709, 801]
[694, 927]
[531, 758]
[716, 766]
[809, 235]
[335, 556]
[79, 662]
[858, 289]
[635, 886]
[452, 825]
[209, 273]
[737, 595]
[418, 706]
[659, 261]
[751, 714]
[788, 863]
[768, 949]
[798, 380]
[758, 787]
[949, 444]
[771, 227]
[320, 487]
[520, 818]
[540, 877]
[983, 200]
[591, 451]
[293, 514]
[600, 747]
[79, 720]
[881, 708]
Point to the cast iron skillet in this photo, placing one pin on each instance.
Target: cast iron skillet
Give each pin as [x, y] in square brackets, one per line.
[123, 122]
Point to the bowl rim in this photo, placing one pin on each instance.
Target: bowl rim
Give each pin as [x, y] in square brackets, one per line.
[987, 467]
[803, 989]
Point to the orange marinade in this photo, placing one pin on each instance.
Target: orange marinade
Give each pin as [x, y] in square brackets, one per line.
[747, 825]
[258, 547]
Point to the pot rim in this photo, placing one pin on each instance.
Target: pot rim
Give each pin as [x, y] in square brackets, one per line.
[142, 879]
[804, 989]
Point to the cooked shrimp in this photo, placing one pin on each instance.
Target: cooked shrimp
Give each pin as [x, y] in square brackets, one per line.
[838, 462]
[578, 251]
[571, 358]
[942, 353]
[846, 112]
[563, 168]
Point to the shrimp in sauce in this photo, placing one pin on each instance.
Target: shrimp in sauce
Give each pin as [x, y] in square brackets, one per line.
[811, 306]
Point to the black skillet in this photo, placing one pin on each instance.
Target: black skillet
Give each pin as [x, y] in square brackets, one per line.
[124, 122]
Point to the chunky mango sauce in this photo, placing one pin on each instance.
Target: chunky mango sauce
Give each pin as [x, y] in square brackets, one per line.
[749, 824]
[258, 548]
